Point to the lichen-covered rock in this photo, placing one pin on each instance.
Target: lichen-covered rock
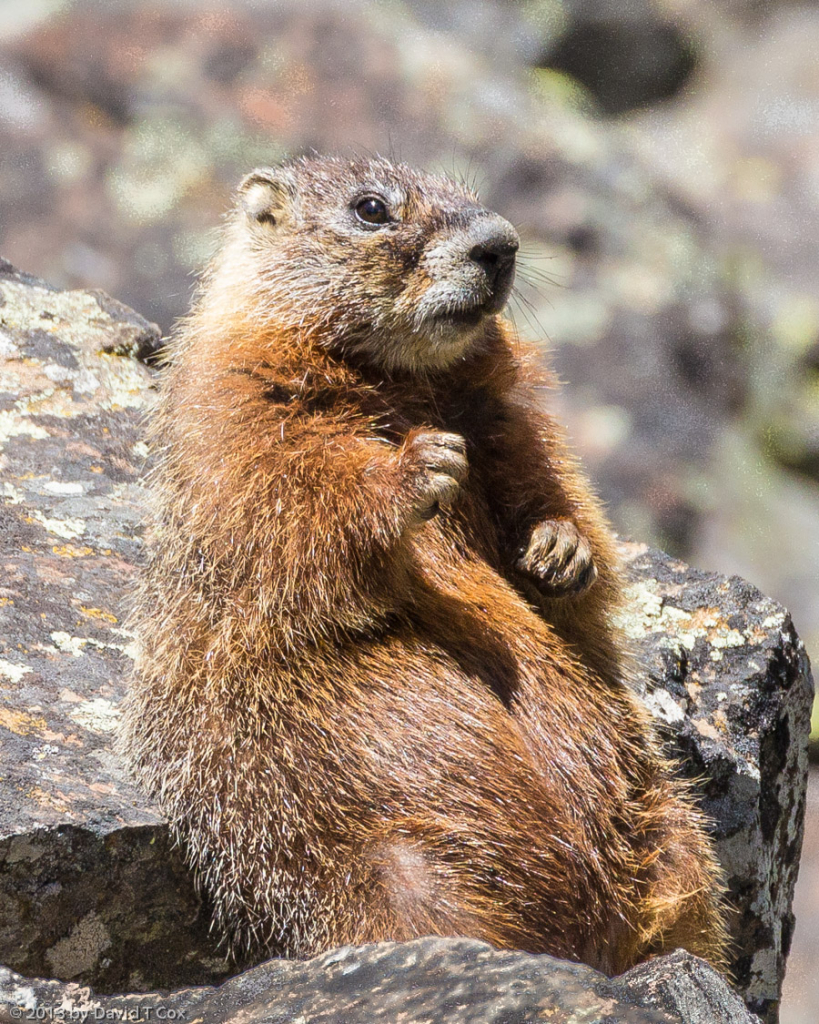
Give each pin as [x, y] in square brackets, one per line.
[90, 891]
[449, 981]
[728, 681]
[88, 885]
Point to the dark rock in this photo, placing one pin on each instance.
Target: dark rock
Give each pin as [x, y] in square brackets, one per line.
[89, 889]
[449, 981]
[684, 985]
[624, 62]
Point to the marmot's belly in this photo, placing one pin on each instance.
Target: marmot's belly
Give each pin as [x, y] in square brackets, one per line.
[449, 706]
[510, 804]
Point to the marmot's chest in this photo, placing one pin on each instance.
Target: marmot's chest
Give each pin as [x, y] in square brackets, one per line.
[468, 412]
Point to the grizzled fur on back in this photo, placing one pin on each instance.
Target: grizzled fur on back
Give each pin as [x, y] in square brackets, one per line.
[378, 693]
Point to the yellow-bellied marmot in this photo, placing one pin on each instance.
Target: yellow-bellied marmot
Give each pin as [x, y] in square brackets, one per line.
[378, 695]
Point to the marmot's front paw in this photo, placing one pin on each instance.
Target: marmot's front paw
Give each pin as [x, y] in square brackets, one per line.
[558, 559]
[437, 464]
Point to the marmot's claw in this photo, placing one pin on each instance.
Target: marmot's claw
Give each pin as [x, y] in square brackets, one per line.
[559, 559]
[438, 463]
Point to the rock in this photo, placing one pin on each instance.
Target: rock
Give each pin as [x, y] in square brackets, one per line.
[730, 686]
[88, 885]
[684, 985]
[90, 890]
[626, 55]
[449, 981]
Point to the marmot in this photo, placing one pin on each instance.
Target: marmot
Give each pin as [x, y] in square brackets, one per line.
[378, 693]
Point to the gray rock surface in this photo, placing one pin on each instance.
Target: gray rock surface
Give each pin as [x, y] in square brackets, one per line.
[730, 686]
[684, 985]
[88, 886]
[449, 981]
[89, 890]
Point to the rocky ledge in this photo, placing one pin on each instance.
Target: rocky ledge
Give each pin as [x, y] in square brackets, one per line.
[91, 891]
[448, 981]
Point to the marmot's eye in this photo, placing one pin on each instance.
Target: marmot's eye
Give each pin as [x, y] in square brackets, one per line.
[371, 210]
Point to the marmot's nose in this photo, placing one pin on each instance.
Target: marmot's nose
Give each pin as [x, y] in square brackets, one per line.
[494, 243]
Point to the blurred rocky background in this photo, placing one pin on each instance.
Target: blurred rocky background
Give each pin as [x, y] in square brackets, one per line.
[661, 158]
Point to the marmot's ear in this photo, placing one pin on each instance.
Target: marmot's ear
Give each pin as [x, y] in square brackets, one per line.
[266, 195]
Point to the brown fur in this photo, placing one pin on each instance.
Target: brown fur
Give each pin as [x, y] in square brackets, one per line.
[366, 723]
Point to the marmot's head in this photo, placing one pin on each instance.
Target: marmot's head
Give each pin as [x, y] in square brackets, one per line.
[376, 260]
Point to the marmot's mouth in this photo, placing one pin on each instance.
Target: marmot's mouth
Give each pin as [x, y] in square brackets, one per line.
[467, 316]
